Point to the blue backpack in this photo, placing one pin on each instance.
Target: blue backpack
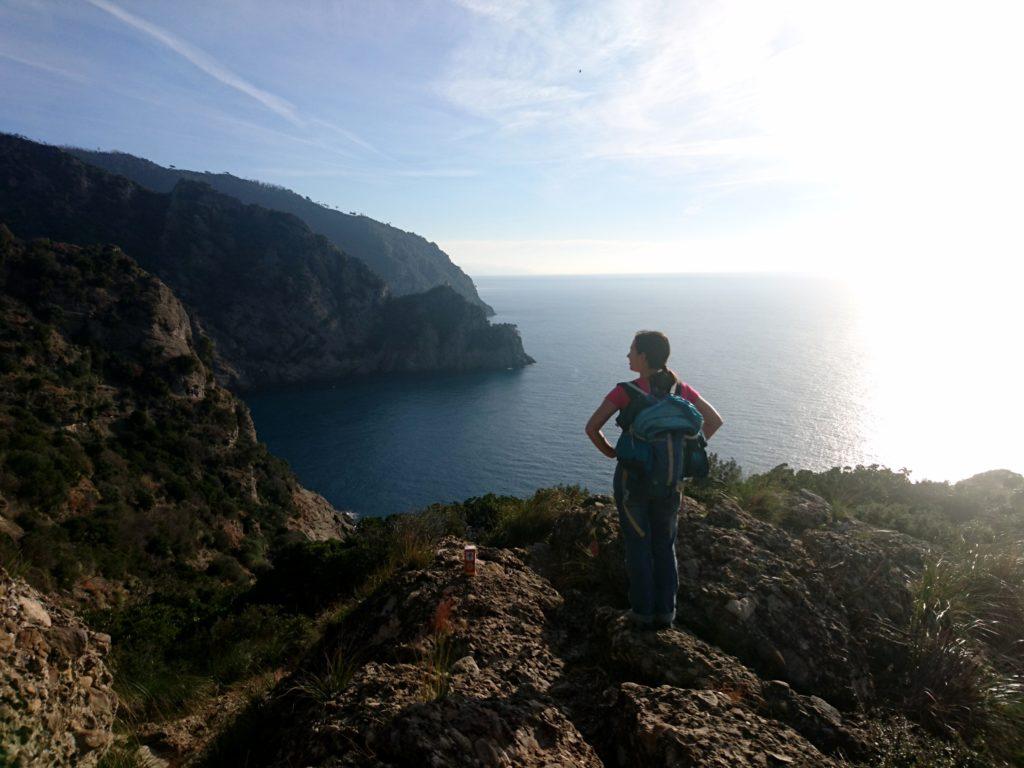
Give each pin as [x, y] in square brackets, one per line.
[662, 443]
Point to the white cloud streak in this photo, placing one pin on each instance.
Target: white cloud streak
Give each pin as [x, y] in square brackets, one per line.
[203, 61]
[215, 69]
[44, 67]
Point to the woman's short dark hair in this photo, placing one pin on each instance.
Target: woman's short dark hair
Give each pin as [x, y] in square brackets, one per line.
[655, 347]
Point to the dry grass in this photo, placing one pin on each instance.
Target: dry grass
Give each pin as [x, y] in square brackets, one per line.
[440, 655]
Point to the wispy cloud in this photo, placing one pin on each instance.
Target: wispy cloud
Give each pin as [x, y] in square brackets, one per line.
[348, 173]
[202, 61]
[215, 69]
[435, 173]
[616, 81]
[795, 92]
[45, 67]
[736, 148]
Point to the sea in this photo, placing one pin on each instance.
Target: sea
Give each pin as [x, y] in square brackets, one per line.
[806, 371]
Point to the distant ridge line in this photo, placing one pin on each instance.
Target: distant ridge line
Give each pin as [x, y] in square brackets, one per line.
[406, 261]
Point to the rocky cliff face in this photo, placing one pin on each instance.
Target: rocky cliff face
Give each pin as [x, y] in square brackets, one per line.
[405, 261]
[56, 703]
[436, 330]
[282, 304]
[120, 455]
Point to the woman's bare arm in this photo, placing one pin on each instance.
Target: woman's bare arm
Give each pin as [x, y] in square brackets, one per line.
[712, 421]
[604, 412]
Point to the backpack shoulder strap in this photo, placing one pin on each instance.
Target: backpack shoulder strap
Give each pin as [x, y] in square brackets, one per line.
[638, 400]
[632, 389]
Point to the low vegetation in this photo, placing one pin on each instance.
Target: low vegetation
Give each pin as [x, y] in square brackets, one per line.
[962, 669]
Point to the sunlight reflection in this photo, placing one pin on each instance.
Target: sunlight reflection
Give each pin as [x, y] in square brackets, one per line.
[938, 353]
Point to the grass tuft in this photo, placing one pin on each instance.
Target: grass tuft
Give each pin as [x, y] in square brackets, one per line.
[441, 654]
[334, 675]
[959, 680]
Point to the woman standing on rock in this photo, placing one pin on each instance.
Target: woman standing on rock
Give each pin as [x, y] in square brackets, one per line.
[648, 524]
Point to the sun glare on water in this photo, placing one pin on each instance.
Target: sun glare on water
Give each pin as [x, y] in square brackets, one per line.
[942, 375]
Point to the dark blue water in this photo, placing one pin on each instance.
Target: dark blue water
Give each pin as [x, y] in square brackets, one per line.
[782, 358]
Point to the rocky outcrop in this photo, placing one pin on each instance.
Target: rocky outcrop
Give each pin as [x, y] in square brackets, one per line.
[437, 667]
[803, 510]
[870, 571]
[405, 261]
[56, 703]
[282, 304]
[105, 302]
[451, 670]
[668, 726]
[437, 330]
[754, 591]
[677, 658]
[316, 519]
[812, 611]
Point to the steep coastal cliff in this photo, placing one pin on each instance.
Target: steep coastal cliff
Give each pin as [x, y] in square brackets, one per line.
[405, 261]
[282, 304]
[436, 330]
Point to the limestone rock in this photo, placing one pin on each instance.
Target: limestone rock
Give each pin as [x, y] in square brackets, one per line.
[675, 657]
[668, 726]
[871, 571]
[803, 510]
[317, 519]
[744, 585]
[56, 703]
[452, 670]
[754, 591]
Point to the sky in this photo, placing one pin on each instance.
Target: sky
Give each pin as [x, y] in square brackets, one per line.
[871, 140]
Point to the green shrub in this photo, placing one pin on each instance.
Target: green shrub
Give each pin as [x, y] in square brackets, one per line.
[226, 568]
[173, 649]
[904, 746]
[308, 576]
[953, 679]
[256, 638]
[724, 478]
[532, 520]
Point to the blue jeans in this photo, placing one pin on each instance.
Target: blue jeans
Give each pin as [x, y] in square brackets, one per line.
[649, 529]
